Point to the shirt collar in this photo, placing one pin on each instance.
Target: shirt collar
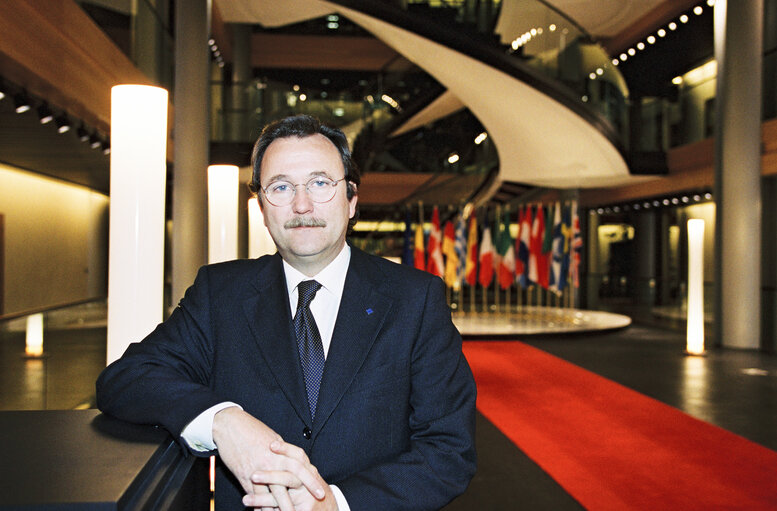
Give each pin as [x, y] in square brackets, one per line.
[331, 278]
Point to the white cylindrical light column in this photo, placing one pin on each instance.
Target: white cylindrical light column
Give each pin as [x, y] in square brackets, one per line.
[695, 327]
[137, 214]
[259, 240]
[222, 212]
[34, 336]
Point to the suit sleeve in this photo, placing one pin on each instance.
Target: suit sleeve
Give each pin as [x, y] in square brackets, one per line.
[441, 459]
[164, 379]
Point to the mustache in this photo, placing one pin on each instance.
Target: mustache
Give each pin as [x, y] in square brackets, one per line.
[304, 221]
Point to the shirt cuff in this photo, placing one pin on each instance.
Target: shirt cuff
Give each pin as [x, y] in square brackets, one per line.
[198, 434]
[342, 504]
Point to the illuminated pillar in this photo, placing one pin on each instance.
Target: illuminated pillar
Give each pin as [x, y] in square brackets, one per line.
[222, 212]
[259, 240]
[137, 214]
[695, 320]
[34, 339]
[738, 43]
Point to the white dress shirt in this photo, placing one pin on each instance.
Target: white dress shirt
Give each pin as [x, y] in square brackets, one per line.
[198, 434]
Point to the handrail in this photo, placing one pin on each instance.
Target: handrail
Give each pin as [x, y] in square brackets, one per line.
[50, 308]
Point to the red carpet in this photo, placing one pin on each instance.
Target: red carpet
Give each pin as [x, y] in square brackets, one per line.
[611, 447]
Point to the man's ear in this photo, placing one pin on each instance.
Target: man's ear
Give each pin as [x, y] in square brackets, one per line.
[351, 190]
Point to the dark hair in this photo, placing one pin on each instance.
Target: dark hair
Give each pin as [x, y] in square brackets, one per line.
[302, 126]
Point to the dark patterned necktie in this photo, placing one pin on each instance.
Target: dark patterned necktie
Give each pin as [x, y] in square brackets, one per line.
[311, 349]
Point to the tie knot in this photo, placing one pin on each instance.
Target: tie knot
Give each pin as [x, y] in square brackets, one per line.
[307, 290]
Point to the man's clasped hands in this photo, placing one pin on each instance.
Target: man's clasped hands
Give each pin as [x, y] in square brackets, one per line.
[273, 473]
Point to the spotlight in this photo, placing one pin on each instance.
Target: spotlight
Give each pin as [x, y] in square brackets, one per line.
[651, 39]
[684, 18]
[94, 141]
[63, 124]
[106, 147]
[661, 32]
[44, 114]
[2, 90]
[83, 135]
[21, 103]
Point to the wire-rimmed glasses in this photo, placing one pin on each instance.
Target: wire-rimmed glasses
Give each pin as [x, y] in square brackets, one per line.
[320, 189]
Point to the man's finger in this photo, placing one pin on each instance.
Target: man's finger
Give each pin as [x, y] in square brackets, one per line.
[279, 477]
[281, 494]
[306, 472]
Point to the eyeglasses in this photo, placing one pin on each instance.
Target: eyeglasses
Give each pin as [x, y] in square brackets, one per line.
[320, 189]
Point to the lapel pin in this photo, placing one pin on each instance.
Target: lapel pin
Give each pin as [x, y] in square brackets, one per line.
[369, 311]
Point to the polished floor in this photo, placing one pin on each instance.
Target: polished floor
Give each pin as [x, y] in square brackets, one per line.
[736, 390]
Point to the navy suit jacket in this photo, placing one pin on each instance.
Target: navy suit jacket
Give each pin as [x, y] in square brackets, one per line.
[394, 426]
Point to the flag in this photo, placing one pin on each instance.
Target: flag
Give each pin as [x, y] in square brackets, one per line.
[577, 246]
[407, 252]
[506, 270]
[557, 252]
[519, 265]
[460, 247]
[471, 265]
[566, 230]
[419, 256]
[449, 251]
[524, 279]
[486, 259]
[537, 257]
[434, 247]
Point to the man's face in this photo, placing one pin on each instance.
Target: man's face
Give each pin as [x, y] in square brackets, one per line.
[297, 160]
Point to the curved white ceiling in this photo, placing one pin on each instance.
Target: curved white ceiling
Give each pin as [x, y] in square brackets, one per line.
[540, 142]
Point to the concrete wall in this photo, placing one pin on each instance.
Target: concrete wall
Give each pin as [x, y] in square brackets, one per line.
[56, 241]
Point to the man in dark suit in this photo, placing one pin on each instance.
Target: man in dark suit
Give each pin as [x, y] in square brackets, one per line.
[357, 398]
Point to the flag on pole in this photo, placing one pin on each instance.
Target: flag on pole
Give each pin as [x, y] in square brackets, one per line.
[449, 251]
[471, 265]
[577, 246]
[461, 249]
[519, 265]
[538, 260]
[566, 230]
[419, 255]
[486, 258]
[407, 252]
[557, 252]
[506, 251]
[434, 247]
[524, 279]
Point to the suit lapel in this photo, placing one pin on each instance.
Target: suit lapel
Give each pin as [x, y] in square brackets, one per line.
[269, 319]
[362, 312]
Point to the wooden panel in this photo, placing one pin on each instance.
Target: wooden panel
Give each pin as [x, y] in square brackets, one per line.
[55, 50]
[691, 167]
[282, 51]
[661, 15]
[221, 32]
